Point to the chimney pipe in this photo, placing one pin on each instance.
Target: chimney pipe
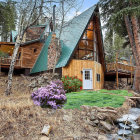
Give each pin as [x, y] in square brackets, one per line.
[54, 18]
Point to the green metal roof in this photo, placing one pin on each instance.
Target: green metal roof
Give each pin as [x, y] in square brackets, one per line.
[41, 62]
[70, 36]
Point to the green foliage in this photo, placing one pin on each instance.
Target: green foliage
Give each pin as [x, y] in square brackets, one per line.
[118, 92]
[2, 54]
[7, 17]
[71, 84]
[93, 98]
[111, 48]
[113, 12]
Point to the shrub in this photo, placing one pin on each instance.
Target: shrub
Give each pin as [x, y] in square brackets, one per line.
[3, 54]
[51, 96]
[71, 84]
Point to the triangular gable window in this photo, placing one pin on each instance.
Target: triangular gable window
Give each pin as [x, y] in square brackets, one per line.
[87, 48]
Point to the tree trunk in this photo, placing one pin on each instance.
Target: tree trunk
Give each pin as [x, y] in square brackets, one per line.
[132, 36]
[136, 31]
[11, 69]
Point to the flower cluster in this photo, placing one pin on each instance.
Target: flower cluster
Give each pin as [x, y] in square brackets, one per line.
[71, 84]
[52, 96]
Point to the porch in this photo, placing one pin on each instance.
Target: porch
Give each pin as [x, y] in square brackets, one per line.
[5, 62]
[116, 71]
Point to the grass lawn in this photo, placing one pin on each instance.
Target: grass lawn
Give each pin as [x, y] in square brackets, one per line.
[96, 98]
[117, 92]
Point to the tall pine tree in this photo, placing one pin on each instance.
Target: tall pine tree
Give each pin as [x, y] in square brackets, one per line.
[123, 16]
[7, 18]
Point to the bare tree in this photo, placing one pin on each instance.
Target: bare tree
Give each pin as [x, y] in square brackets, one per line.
[63, 10]
[26, 11]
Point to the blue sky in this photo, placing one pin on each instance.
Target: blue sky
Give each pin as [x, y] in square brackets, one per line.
[88, 3]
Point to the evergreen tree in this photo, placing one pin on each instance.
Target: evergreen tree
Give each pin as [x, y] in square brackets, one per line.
[123, 16]
[7, 18]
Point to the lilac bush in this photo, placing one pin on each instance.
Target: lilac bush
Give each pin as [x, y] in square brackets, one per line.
[52, 96]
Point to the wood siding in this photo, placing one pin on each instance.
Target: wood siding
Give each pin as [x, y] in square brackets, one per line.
[76, 67]
[30, 53]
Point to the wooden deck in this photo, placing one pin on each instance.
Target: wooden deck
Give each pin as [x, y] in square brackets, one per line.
[124, 70]
[5, 62]
[120, 67]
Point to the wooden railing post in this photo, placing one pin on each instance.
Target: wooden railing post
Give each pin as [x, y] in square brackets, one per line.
[131, 68]
[117, 78]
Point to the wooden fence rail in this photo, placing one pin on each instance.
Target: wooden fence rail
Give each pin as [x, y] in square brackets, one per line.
[120, 67]
[7, 61]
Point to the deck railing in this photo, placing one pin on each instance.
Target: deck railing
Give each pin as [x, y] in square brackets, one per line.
[7, 61]
[120, 67]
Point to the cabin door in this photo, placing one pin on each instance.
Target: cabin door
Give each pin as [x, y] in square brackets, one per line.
[87, 79]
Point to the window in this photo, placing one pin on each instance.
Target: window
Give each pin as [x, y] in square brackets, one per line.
[35, 50]
[87, 48]
[98, 77]
[87, 75]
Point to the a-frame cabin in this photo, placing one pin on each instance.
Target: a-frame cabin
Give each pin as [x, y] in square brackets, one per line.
[82, 52]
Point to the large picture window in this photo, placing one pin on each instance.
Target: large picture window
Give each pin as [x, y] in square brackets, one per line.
[87, 48]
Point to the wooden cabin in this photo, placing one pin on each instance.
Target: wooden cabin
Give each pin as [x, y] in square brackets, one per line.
[82, 52]
[26, 57]
[29, 50]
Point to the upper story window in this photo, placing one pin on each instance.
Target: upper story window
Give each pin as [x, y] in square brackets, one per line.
[87, 46]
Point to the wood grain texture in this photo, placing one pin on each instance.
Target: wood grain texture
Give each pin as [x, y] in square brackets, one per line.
[76, 67]
[30, 53]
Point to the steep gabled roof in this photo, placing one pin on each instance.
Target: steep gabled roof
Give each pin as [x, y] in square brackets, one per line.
[72, 33]
[70, 36]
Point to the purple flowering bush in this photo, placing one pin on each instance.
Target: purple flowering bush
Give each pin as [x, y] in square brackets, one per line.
[51, 96]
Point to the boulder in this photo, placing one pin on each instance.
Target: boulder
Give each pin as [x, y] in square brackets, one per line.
[106, 125]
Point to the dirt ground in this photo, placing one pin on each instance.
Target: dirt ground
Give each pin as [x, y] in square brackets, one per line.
[21, 119]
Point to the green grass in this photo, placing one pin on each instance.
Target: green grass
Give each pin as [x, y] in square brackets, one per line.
[117, 92]
[94, 98]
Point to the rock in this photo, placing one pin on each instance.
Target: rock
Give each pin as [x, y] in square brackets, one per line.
[95, 121]
[46, 77]
[124, 126]
[106, 125]
[102, 137]
[44, 138]
[134, 126]
[35, 89]
[68, 138]
[124, 132]
[40, 80]
[46, 130]
[127, 117]
[33, 84]
[92, 117]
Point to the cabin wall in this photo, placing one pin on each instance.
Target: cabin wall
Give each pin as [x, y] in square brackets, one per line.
[29, 54]
[76, 67]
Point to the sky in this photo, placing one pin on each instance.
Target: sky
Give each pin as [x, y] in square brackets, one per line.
[88, 3]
